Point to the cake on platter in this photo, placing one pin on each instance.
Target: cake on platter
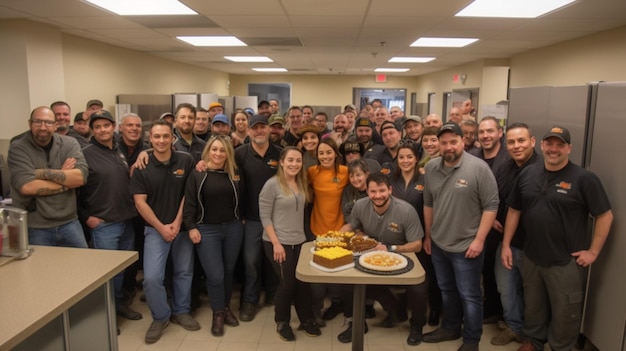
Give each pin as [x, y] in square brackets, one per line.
[333, 238]
[332, 257]
[361, 244]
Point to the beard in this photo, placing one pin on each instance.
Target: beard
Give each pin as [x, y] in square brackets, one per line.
[451, 157]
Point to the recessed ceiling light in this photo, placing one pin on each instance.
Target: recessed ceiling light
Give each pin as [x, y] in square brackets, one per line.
[411, 59]
[248, 58]
[143, 7]
[511, 8]
[443, 42]
[212, 40]
[270, 69]
[392, 70]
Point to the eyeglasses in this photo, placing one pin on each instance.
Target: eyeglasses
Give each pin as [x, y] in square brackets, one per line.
[406, 142]
[39, 122]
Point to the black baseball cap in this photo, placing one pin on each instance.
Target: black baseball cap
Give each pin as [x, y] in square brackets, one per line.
[558, 132]
[450, 127]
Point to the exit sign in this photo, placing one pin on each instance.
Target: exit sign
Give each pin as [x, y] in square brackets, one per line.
[381, 78]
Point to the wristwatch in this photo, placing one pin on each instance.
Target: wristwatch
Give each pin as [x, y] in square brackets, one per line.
[391, 248]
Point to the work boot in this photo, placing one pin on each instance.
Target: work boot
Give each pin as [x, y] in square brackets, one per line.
[285, 332]
[229, 318]
[217, 328]
[346, 335]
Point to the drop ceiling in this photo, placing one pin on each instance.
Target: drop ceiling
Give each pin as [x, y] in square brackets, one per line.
[323, 36]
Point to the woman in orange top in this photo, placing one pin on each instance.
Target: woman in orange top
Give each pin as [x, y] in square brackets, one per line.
[328, 179]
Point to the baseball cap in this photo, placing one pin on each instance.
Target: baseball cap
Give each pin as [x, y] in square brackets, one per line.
[167, 114]
[101, 114]
[350, 107]
[263, 102]
[214, 105]
[276, 119]
[388, 124]
[94, 102]
[220, 117]
[451, 127]
[351, 146]
[249, 111]
[363, 122]
[558, 132]
[256, 119]
[417, 119]
[78, 117]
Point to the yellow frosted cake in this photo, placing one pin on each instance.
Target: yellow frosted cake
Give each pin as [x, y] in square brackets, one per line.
[333, 239]
[332, 257]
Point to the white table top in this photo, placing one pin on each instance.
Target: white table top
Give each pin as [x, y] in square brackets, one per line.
[37, 289]
[307, 273]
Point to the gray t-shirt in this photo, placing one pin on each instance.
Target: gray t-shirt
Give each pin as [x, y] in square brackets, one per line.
[397, 226]
[458, 196]
[285, 211]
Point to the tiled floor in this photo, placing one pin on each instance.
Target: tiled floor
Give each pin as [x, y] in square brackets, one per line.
[260, 334]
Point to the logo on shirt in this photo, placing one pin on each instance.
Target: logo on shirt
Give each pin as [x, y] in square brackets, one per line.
[419, 187]
[272, 163]
[393, 227]
[236, 178]
[461, 183]
[179, 172]
[385, 171]
[563, 187]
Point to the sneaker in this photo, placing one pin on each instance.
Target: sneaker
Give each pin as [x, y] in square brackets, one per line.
[126, 312]
[415, 336]
[440, 334]
[527, 345]
[229, 318]
[346, 335]
[370, 312]
[155, 331]
[468, 346]
[310, 328]
[319, 321]
[247, 312]
[332, 311]
[505, 336]
[186, 321]
[285, 332]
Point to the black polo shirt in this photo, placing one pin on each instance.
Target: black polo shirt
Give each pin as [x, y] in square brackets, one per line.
[254, 171]
[555, 209]
[194, 149]
[164, 183]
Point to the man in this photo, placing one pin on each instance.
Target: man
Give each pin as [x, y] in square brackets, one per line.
[307, 114]
[470, 130]
[105, 204]
[553, 202]
[201, 126]
[91, 107]
[455, 115]
[433, 120]
[169, 118]
[81, 126]
[63, 114]
[395, 112]
[274, 107]
[185, 139]
[496, 156]
[380, 115]
[395, 224]
[363, 132]
[353, 150]
[257, 162]
[386, 155]
[215, 108]
[377, 103]
[340, 131]
[220, 125]
[158, 191]
[264, 109]
[277, 130]
[413, 129]
[460, 204]
[520, 145]
[321, 121]
[46, 168]
[294, 118]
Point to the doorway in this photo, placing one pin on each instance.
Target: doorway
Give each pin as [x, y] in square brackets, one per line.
[389, 97]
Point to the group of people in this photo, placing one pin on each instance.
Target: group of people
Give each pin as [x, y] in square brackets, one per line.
[499, 229]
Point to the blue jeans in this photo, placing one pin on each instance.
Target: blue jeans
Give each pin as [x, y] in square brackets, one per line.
[511, 289]
[115, 236]
[252, 253]
[218, 251]
[156, 251]
[69, 234]
[459, 280]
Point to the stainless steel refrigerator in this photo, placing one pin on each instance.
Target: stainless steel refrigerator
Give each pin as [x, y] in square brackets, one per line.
[595, 114]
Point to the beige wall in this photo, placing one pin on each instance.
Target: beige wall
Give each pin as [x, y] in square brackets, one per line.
[592, 58]
[328, 90]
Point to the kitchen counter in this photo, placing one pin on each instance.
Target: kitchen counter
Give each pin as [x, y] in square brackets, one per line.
[58, 293]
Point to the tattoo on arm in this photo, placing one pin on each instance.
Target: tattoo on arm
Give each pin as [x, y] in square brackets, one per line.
[49, 191]
[54, 175]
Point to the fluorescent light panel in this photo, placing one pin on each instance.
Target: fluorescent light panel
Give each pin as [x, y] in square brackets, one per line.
[443, 42]
[411, 59]
[270, 69]
[143, 7]
[212, 40]
[392, 70]
[249, 58]
[511, 8]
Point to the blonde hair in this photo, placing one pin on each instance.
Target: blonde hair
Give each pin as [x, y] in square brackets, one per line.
[301, 178]
[230, 166]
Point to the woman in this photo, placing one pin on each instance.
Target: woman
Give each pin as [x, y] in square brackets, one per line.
[358, 171]
[407, 183]
[211, 214]
[328, 179]
[309, 139]
[240, 127]
[281, 208]
[430, 145]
